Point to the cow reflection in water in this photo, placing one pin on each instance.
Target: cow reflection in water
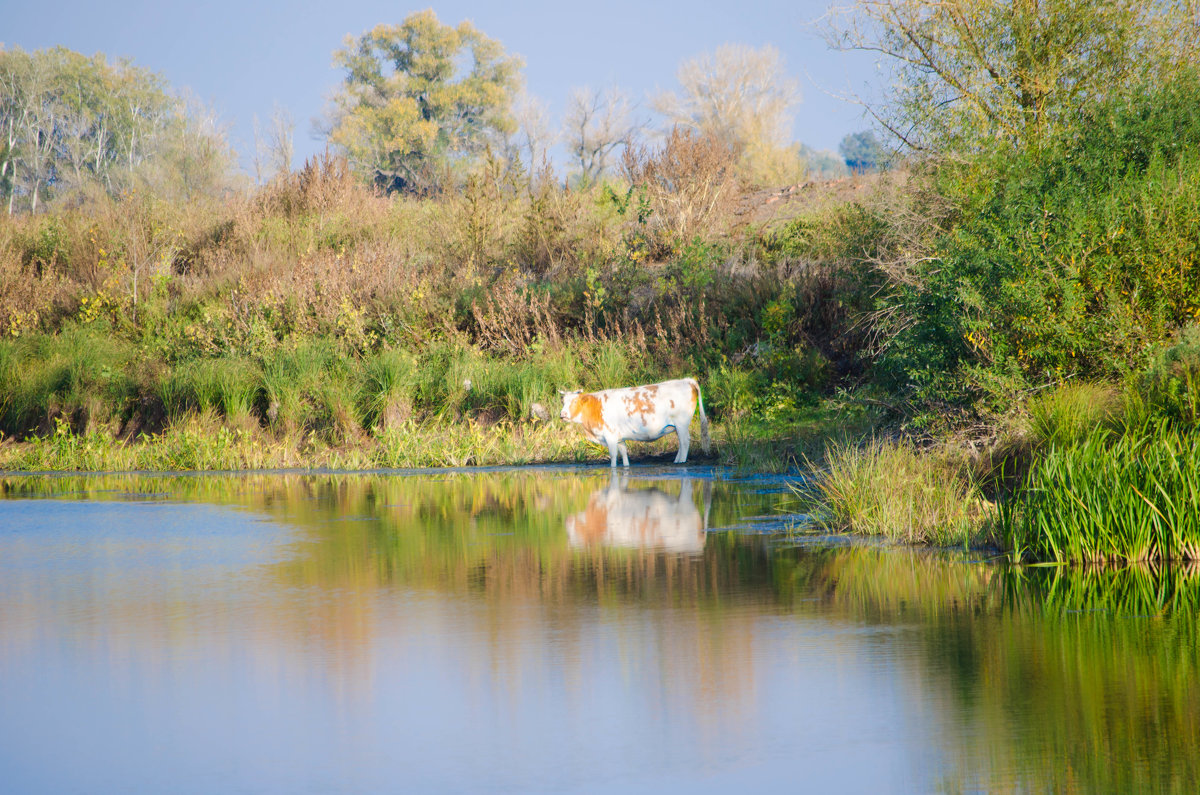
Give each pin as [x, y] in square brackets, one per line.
[618, 516]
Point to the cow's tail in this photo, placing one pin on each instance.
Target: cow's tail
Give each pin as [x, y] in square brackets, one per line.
[705, 441]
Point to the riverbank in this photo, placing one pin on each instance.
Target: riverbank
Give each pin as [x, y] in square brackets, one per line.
[1083, 473]
[316, 322]
[204, 441]
[968, 366]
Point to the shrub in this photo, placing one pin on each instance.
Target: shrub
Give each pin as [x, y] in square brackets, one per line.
[688, 187]
[731, 392]
[1068, 260]
[1170, 387]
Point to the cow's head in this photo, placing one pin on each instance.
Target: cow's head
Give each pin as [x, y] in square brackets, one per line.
[568, 399]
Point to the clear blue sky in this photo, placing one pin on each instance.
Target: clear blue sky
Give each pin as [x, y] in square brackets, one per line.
[242, 58]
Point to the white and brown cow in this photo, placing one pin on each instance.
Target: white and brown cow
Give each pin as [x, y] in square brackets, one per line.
[619, 516]
[612, 417]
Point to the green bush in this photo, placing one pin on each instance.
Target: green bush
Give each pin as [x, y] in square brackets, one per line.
[731, 392]
[1170, 387]
[1068, 260]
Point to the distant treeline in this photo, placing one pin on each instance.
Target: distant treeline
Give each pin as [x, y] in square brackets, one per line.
[73, 126]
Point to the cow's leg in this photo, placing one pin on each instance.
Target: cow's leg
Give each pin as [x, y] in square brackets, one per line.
[684, 441]
[685, 491]
[612, 452]
[624, 451]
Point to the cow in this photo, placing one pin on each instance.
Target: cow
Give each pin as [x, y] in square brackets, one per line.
[612, 417]
[618, 516]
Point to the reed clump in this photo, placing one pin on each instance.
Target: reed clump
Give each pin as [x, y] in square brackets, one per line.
[894, 489]
[1110, 498]
[1107, 474]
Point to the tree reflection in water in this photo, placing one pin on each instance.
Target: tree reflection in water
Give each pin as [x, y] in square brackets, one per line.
[1034, 679]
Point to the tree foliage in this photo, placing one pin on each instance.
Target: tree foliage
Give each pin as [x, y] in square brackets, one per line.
[861, 151]
[72, 124]
[744, 96]
[1077, 259]
[970, 72]
[420, 97]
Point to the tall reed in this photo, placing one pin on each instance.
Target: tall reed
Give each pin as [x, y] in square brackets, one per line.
[1111, 498]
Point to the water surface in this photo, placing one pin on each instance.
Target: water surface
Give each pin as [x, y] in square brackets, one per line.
[555, 629]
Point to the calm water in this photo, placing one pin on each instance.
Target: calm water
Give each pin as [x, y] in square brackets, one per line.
[551, 630]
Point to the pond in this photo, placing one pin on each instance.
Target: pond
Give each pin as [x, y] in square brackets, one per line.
[559, 629]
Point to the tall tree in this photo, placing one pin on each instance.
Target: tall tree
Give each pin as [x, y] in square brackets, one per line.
[969, 72]
[273, 145]
[861, 151]
[72, 123]
[744, 96]
[596, 123]
[534, 135]
[422, 96]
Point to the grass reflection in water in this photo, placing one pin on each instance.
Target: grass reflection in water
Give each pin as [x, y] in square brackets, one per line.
[1064, 679]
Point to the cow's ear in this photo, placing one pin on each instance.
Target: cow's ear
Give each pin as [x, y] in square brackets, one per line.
[563, 393]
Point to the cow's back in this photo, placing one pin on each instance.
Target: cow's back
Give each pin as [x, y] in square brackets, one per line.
[644, 413]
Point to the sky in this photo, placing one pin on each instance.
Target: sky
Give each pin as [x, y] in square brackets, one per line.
[245, 58]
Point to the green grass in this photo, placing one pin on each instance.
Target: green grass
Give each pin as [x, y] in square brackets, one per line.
[228, 386]
[386, 394]
[87, 377]
[1110, 498]
[292, 378]
[301, 403]
[205, 441]
[896, 490]
[1071, 412]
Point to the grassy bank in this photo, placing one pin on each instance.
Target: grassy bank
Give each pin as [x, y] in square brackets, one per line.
[1083, 473]
[205, 441]
[317, 320]
[85, 399]
[1019, 321]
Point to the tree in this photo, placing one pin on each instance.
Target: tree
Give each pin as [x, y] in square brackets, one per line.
[860, 151]
[744, 96]
[596, 123]
[821, 163]
[191, 156]
[534, 136]
[273, 145]
[970, 72]
[421, 97]
[73, 124]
